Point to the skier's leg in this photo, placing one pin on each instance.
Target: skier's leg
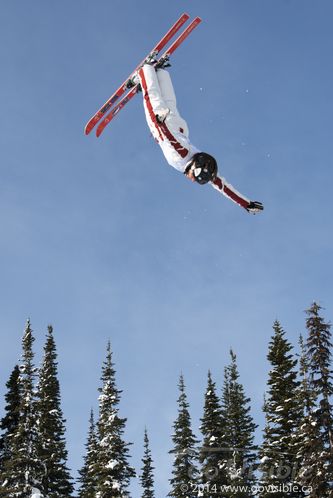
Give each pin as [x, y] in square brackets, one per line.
[169, 97]
[155, 105]
[167, 90]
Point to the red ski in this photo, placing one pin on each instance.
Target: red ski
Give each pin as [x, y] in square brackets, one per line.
[122, 89]
[134, 90]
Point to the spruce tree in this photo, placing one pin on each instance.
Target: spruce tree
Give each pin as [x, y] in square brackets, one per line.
[10, 421]
[215, 453]
[319, 352]
[87, 477]
[316, 451]
[184, 472]
[111, 469]
[306, 394]
[283, 413]
[239, 431]
[21, 474]
[55, 478]
[308, 442]
[147, 475]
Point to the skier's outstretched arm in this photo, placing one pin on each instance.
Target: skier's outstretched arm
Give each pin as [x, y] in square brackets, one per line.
[231, 193]
[203, 169]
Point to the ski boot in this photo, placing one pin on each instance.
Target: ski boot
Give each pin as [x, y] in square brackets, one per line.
[163, 63]
[134, 81]
[158, 64]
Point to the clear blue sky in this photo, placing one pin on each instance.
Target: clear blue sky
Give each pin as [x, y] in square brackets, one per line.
[101, 238]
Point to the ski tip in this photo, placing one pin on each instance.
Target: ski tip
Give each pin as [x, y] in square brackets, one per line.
[89, 126]
[99, 131]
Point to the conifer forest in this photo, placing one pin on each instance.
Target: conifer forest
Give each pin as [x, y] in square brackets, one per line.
[290, 456]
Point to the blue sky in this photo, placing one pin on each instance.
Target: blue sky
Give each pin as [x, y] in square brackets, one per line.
[102, 239]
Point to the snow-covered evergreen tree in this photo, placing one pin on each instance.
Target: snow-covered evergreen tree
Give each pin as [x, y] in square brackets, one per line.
[22, 472]
[306, 394]
[283, 413]
[10, 420]
[319, 347]
[111, 469]
[316, 447]
[56, 480]
[184, 471]
[215, 453]
[147, 470]
[239, 430]
[87, 477]
[308, 442]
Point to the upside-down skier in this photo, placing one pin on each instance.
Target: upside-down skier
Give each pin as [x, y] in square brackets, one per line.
[171, 132]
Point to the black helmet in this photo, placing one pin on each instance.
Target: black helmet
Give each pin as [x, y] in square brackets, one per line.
[204, 167]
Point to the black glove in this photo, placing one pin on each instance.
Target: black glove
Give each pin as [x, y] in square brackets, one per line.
[254, 207]
[160, 118]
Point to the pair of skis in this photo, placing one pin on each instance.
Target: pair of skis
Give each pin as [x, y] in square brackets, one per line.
[111, 107]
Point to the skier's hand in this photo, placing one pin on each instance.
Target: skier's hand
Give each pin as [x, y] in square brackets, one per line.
[161, 117]
[254, 207]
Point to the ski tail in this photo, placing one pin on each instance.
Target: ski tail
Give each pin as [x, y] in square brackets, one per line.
[134, 90]
[171, 33]
[122, 89]
[187, 31]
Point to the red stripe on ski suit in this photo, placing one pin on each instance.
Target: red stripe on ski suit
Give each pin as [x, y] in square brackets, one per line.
[148, 102]
[161, 127]
[182, 151]
[230, 193]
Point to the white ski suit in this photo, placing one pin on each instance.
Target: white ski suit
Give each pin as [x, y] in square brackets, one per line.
[170, 130]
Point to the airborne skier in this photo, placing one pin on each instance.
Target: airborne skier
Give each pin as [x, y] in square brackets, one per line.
[171, 132]
[168, 128]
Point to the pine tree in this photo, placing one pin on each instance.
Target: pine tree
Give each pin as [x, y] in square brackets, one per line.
[282, 410]
[239, 430]
[184, 472]
[10, 421]
[147, 476]
[87, 475]
[21, 473]
[112, 469]
[56, 480]
[215, 452]
[316, 431]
